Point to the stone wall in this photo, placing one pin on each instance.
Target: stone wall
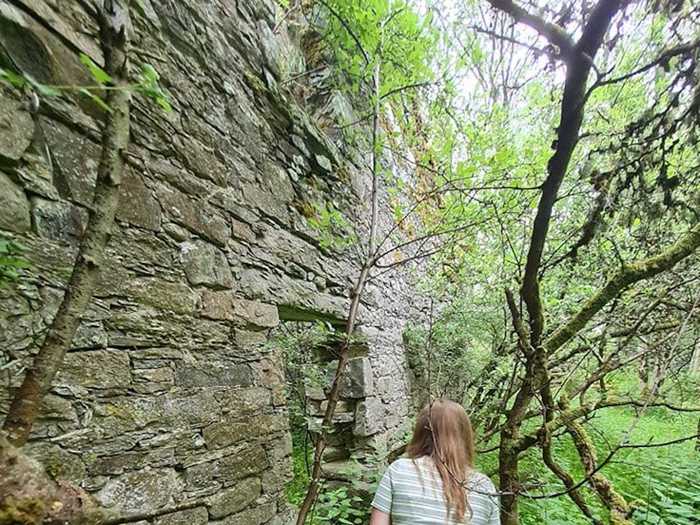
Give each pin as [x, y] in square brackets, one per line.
[170, 406]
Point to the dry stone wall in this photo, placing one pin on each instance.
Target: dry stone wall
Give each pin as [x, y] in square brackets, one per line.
[170, 406]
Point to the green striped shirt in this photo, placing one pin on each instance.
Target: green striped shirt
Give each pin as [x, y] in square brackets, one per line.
[411, 492]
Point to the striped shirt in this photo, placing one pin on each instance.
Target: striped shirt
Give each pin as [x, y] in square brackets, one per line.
[414, 496]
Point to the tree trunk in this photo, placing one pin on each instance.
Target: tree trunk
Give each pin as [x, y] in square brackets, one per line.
[115, 137]
[508, 453]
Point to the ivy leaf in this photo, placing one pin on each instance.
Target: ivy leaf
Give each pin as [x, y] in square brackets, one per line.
[99, 74]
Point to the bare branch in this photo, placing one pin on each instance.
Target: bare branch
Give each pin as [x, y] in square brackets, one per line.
[552, 32]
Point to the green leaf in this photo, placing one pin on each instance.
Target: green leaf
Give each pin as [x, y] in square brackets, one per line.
[149, 73]
[42, 89]
[99, 74]
[148, 86]
[96, 99]
[163, 101]
[11, 78]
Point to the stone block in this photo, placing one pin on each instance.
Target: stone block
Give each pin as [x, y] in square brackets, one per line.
[164, 375]
[283, 447]
[59, 463]
[137, 205]
[34, 174]
[324, 163]
[90, 334]
[57, 221]
[96, 369]
[331, 454]
[57, 408]
[254, 516]
[315, 393]
[16, 129]
[342, 470]
[195, 516]
[369, 417]
[244, 401]
[142, 492]
[217, 305]
[14, 205]
[118, 463]
[269, 201]
[241, 230]
[206, 375]
[164, 295]
[177, 232]
[274, 479]
[234, 499]
[357, 380]
[344, 411]
[246, 338]
[274, 379]
[205, 264]
[75, 160]
[286, 514]
[225, 466]
[229, 432]
[193, 215]
[392, 421]
[256, 314]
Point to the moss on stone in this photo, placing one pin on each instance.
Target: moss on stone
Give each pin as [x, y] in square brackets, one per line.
[26, 511]
[255, 83]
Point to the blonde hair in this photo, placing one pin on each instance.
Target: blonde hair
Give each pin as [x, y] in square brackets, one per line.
[444, 433]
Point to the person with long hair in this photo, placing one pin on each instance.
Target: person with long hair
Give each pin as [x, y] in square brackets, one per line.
[436, 483]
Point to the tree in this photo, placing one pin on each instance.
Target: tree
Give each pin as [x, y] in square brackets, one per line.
[26, 493]
[113, 20]
[621, 180]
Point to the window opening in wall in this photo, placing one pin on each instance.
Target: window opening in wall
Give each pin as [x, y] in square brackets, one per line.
[309, 351]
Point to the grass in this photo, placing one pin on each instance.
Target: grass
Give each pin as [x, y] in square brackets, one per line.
[662, 483]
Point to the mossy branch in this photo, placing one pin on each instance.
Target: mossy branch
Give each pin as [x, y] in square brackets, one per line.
[625, 277]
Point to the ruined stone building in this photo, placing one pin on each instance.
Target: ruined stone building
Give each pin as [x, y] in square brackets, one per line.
[173, 396]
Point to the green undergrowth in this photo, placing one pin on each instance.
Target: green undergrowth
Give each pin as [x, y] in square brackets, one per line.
[662, 483]
[302, 459]
[335, 505]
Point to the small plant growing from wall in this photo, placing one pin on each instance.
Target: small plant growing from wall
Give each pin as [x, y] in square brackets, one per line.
[12, 260]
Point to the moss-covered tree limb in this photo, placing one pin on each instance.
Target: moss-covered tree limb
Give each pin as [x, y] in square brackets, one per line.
[625, 277]
[620, 510]
[113, 20]
[572, 110]
[567, 480]
[583, 410]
